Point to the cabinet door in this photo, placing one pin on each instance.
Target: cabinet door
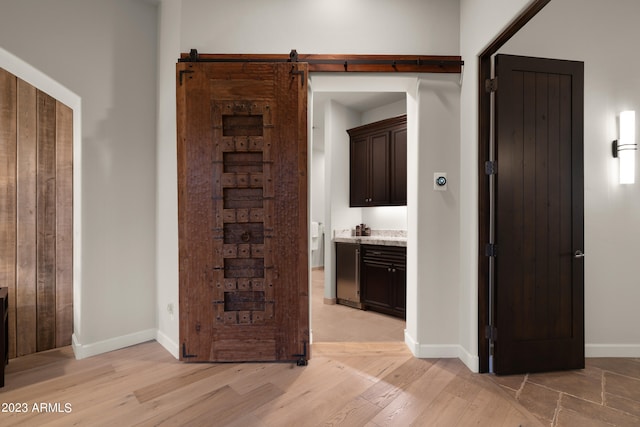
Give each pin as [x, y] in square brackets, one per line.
[377, 289]
[378, 162]
[400, 289]
[379, 169]
[398, 167]
[359, 166]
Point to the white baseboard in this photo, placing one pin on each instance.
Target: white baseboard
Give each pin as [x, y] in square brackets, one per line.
[612, 350]
[442, 351]
[471, 361]
[171, 346]
[82, 351]
[413, 345]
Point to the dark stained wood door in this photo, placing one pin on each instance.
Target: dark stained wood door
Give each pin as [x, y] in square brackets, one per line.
[539, 270]
[242, 188]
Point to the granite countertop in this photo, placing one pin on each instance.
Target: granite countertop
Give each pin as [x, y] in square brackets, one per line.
[378, 237]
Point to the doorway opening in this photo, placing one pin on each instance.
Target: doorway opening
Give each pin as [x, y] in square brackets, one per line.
[332, 112]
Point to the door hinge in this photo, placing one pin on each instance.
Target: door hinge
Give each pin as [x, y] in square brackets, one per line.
[491, 250]
[183, 72]
[491, 85]
[302, 358]
[184, 352]
[490, 167]
[491, 333]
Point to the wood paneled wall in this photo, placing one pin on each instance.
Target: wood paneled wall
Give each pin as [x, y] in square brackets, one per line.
[36, 216]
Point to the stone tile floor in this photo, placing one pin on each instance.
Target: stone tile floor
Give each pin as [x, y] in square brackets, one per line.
[605, 393]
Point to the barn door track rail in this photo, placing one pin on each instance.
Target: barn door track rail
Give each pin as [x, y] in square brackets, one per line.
[343, 63]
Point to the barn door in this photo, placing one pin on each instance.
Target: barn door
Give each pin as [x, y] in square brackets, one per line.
[539, 276]
[242, 184]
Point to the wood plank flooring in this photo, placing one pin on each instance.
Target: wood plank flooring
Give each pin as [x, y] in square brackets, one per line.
[370, 383]
[339, 323]
[345, 384]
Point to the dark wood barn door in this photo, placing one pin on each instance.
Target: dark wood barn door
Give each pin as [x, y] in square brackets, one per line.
[539, 267]
[242, 184]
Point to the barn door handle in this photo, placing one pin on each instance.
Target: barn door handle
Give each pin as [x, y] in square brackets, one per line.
[578, 254]
[245, 237]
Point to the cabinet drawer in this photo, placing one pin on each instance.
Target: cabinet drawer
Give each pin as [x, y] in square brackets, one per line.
[395, 255]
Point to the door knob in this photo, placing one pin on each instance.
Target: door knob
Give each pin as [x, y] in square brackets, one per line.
[578, 254]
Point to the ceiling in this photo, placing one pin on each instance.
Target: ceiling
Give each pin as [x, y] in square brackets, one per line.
[358, 101]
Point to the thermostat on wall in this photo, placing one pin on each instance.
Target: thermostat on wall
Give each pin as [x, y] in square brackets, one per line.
[440, 181]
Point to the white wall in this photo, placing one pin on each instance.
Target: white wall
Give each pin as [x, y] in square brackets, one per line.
[105, 52]
[605, 37]
[436, 221]
[167, 178]
[318, 199]
[338, 215]
[328, 26]
[384, 112]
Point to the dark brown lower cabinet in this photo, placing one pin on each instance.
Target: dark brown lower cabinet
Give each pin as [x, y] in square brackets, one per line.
[384, 279]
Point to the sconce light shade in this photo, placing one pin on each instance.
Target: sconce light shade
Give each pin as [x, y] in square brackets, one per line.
[625, 148]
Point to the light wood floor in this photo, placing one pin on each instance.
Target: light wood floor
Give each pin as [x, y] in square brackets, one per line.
[339, 323]
[357, 384]
[345, 384]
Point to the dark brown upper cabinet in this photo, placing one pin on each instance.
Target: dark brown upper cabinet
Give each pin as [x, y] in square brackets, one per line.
[378, 163]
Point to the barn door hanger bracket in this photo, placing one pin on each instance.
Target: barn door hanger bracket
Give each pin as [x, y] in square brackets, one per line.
[300, 73]
[183, 72]
[293, 57]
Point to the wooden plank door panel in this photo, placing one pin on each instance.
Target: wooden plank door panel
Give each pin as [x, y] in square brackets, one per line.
[539, 289]
[26, 293]
[46, 222]
[242, 160]
[8, 241]
[36, 223]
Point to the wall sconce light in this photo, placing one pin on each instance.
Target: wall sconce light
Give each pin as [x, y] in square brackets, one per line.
[625, 148]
